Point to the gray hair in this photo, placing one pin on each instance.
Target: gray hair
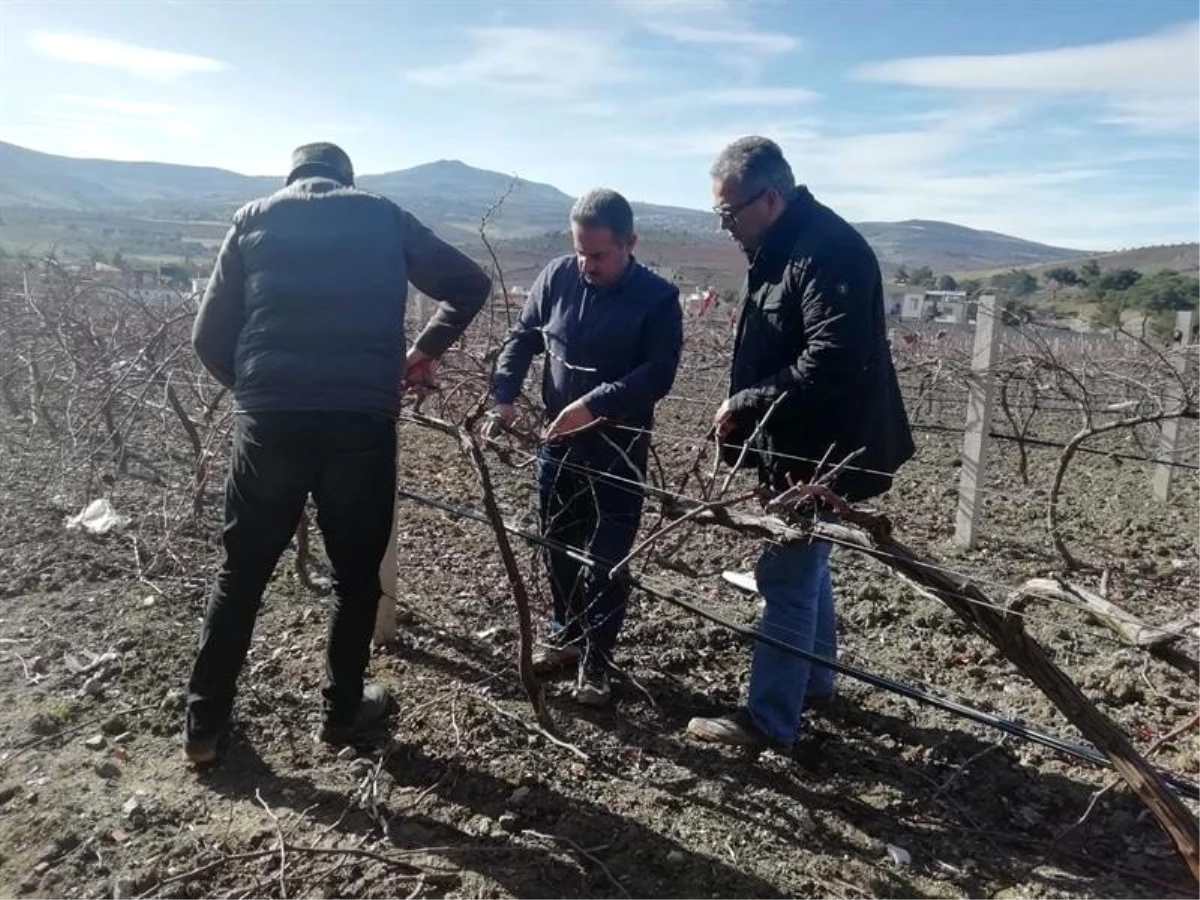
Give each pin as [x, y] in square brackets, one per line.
[604, 208]
[756, 164]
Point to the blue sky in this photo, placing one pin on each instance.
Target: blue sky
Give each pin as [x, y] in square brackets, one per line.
[1074, 122]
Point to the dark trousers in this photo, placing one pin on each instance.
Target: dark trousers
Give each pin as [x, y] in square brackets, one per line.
[347, 462]
[590, 501]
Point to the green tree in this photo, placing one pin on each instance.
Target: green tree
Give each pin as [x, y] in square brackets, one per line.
[971, 285]
[947, 283]
[118, 260]
[1063, 276]
[1158, 297]
[922, 276]
[1021, 283]
[1015, 282]
[1089, 272]
[902, 275]
[1118, 280]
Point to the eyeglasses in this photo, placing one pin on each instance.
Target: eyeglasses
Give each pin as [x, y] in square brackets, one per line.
[728, 214]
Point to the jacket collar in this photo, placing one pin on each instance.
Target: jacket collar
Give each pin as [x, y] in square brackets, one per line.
[776, 248]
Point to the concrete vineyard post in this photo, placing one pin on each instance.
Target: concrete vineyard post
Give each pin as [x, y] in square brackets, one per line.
[978, 425]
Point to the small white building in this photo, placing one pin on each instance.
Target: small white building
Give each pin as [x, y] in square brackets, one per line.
[948, 307]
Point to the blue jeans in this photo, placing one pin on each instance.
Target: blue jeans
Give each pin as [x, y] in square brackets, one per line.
[794, 581]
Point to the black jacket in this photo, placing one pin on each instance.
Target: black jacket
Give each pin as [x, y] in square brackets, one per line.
[305, 307]
[812, 325]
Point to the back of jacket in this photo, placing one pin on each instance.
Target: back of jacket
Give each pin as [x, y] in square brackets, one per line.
[325, 285]
[812, 332]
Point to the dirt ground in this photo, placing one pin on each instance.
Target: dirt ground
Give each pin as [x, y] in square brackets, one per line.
[465, 798]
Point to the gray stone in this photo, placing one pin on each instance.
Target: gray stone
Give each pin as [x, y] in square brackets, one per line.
[93, 687]
[96, 742]
[520, 795]
[510, 822]
[133, 811]
[174, 701]
[347, 753]
[123, 888]
[115, 725]
[123, 738]
[108, 769]
[677, 857]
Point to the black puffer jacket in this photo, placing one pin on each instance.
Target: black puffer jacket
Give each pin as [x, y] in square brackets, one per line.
[305, 307]
[812, 325]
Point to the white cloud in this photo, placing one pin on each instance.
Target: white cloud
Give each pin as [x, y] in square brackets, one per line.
[138, 108]
[667, 9]
[538, 61]
[763, 42]
[1164, 60]
[1154, 114]
[969, 166]
[690, 101]
[164, 65]
[764, 96]
[1150, 83]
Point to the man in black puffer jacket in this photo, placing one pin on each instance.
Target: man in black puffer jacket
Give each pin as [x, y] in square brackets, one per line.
[303, 320]
[812, 333]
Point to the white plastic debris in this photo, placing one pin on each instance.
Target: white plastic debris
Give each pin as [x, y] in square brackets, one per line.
[98, 517]
[899, 855]
[743, 580]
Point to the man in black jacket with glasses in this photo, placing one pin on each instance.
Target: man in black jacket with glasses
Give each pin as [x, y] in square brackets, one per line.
[811, 343]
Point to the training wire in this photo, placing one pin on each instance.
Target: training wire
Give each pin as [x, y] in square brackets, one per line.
[1081, 751]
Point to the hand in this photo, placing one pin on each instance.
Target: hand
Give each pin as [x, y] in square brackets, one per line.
[723, 422]
[574, 417]
[500, 418]
[419, 369]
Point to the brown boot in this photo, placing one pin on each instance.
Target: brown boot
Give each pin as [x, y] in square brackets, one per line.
[734, 730]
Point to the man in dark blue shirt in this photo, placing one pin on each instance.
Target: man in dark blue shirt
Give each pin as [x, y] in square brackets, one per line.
[612, 332]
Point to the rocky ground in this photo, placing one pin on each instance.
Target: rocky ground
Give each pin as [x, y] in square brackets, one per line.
[464, 797]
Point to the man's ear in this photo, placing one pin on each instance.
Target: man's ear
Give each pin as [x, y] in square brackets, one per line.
[631, 243]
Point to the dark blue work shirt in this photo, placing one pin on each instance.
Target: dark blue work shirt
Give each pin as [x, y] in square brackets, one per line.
[615, 348]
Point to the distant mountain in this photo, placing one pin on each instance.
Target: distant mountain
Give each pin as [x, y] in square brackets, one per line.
[952, 248]
[1183, 258]
[30, 178]
[450, 196]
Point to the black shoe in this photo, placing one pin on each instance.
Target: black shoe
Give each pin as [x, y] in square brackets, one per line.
[819, 703]
[375, 704]
[553, 656]
[205, 751]
[591, 685]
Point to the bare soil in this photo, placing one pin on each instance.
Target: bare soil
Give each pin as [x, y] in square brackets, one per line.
[463, 797]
